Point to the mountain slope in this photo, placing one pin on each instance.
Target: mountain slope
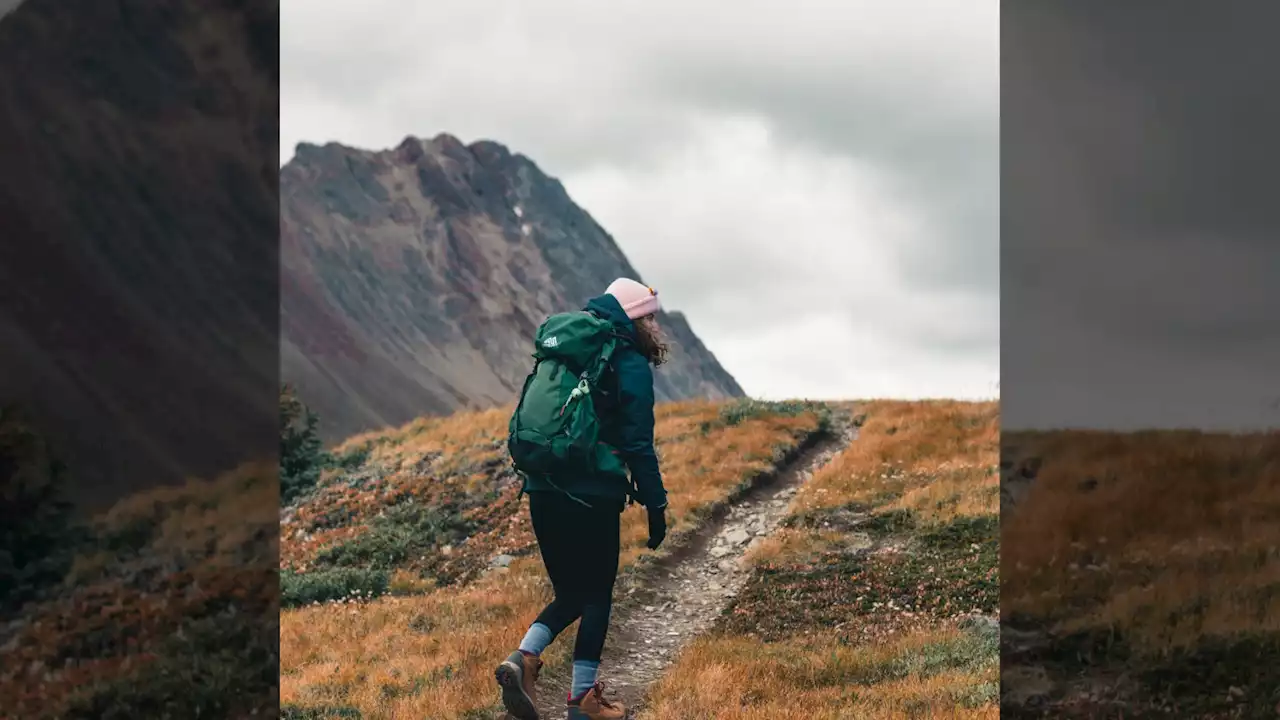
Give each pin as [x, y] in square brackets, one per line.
[413, 280]
[138, 256]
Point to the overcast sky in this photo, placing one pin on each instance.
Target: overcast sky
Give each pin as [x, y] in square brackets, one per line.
[815, 184]
[8, 6]
[1141, 281]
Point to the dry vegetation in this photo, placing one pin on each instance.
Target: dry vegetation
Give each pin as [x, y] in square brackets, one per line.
[1155, 554]
[858, 608]
[428, 647]
[162, 607]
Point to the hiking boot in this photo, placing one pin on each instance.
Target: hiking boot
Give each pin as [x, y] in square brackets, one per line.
[516, 675]
[593, 706]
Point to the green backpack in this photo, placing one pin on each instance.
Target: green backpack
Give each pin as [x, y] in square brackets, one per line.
[555, 429]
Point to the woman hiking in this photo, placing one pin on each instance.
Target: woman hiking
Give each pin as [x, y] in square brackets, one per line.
[576, 520]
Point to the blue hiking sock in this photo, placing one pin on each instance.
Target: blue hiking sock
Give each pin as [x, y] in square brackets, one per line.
[584, 677]
[536, 640]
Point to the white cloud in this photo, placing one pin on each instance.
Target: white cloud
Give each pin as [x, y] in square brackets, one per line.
[815, 185]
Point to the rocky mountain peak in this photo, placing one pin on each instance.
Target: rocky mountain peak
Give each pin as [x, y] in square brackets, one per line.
[415, 277]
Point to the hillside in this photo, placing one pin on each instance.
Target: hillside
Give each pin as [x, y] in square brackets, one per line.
[413, 279]
[433, 502]
[422, 530]
[1139, 574]
[863, 560]
[162, 606]
[878, 597]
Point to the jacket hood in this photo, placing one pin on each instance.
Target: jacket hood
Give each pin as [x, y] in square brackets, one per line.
[608, 308]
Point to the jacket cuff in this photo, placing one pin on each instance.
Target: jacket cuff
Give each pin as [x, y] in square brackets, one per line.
[655, 503]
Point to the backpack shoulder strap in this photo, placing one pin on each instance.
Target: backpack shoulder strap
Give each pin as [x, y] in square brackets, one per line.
[606, 358]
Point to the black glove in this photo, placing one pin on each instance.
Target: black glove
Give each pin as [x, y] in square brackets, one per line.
[657, 527]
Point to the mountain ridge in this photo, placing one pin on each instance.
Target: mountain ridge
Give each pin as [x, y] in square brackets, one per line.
[414, 277]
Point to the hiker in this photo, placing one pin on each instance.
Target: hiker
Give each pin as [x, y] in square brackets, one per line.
[576, 514]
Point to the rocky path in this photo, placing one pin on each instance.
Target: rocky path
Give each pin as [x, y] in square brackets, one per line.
[659, 609]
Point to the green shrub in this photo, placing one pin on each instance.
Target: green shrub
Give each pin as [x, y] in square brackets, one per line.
[734, 413]
[963, 532]
[747, 408]
[331, 584]
[403, 532]
[38, 536]
[354, 458]
[302, 454]
[890, 522]
[217, 666]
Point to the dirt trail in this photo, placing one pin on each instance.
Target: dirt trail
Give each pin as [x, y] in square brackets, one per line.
[663, 606]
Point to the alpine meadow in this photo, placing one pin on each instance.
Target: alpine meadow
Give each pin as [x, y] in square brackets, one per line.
[845, 550]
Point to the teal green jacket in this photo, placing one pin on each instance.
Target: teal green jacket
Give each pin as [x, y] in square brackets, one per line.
[624, 403]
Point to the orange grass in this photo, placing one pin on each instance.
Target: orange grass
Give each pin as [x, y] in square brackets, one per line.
[469, 448]
[728, 678]
[420, 656]
[936, 458]
[432, 655]
[1176, 544]
[940, 456]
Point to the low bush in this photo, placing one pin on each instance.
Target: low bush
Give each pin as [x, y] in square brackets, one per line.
[333, 584]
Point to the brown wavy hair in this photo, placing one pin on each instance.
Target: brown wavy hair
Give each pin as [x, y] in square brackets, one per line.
[653, 344]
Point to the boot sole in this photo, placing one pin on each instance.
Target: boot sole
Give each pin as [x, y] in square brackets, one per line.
[514, 699]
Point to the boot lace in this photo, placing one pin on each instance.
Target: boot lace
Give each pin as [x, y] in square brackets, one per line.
[598, 691]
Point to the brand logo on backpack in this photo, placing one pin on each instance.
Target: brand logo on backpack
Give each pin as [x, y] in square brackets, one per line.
[550, 342]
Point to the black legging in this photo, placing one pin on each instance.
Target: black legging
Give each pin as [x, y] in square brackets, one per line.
[579, 547]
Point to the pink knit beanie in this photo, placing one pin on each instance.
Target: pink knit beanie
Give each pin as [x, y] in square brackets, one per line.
[637, 299]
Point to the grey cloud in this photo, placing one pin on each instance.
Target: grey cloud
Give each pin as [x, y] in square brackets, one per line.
[8, 6]
[905, 91]
[1205, 157]
[938, 151]
[1138, 252]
